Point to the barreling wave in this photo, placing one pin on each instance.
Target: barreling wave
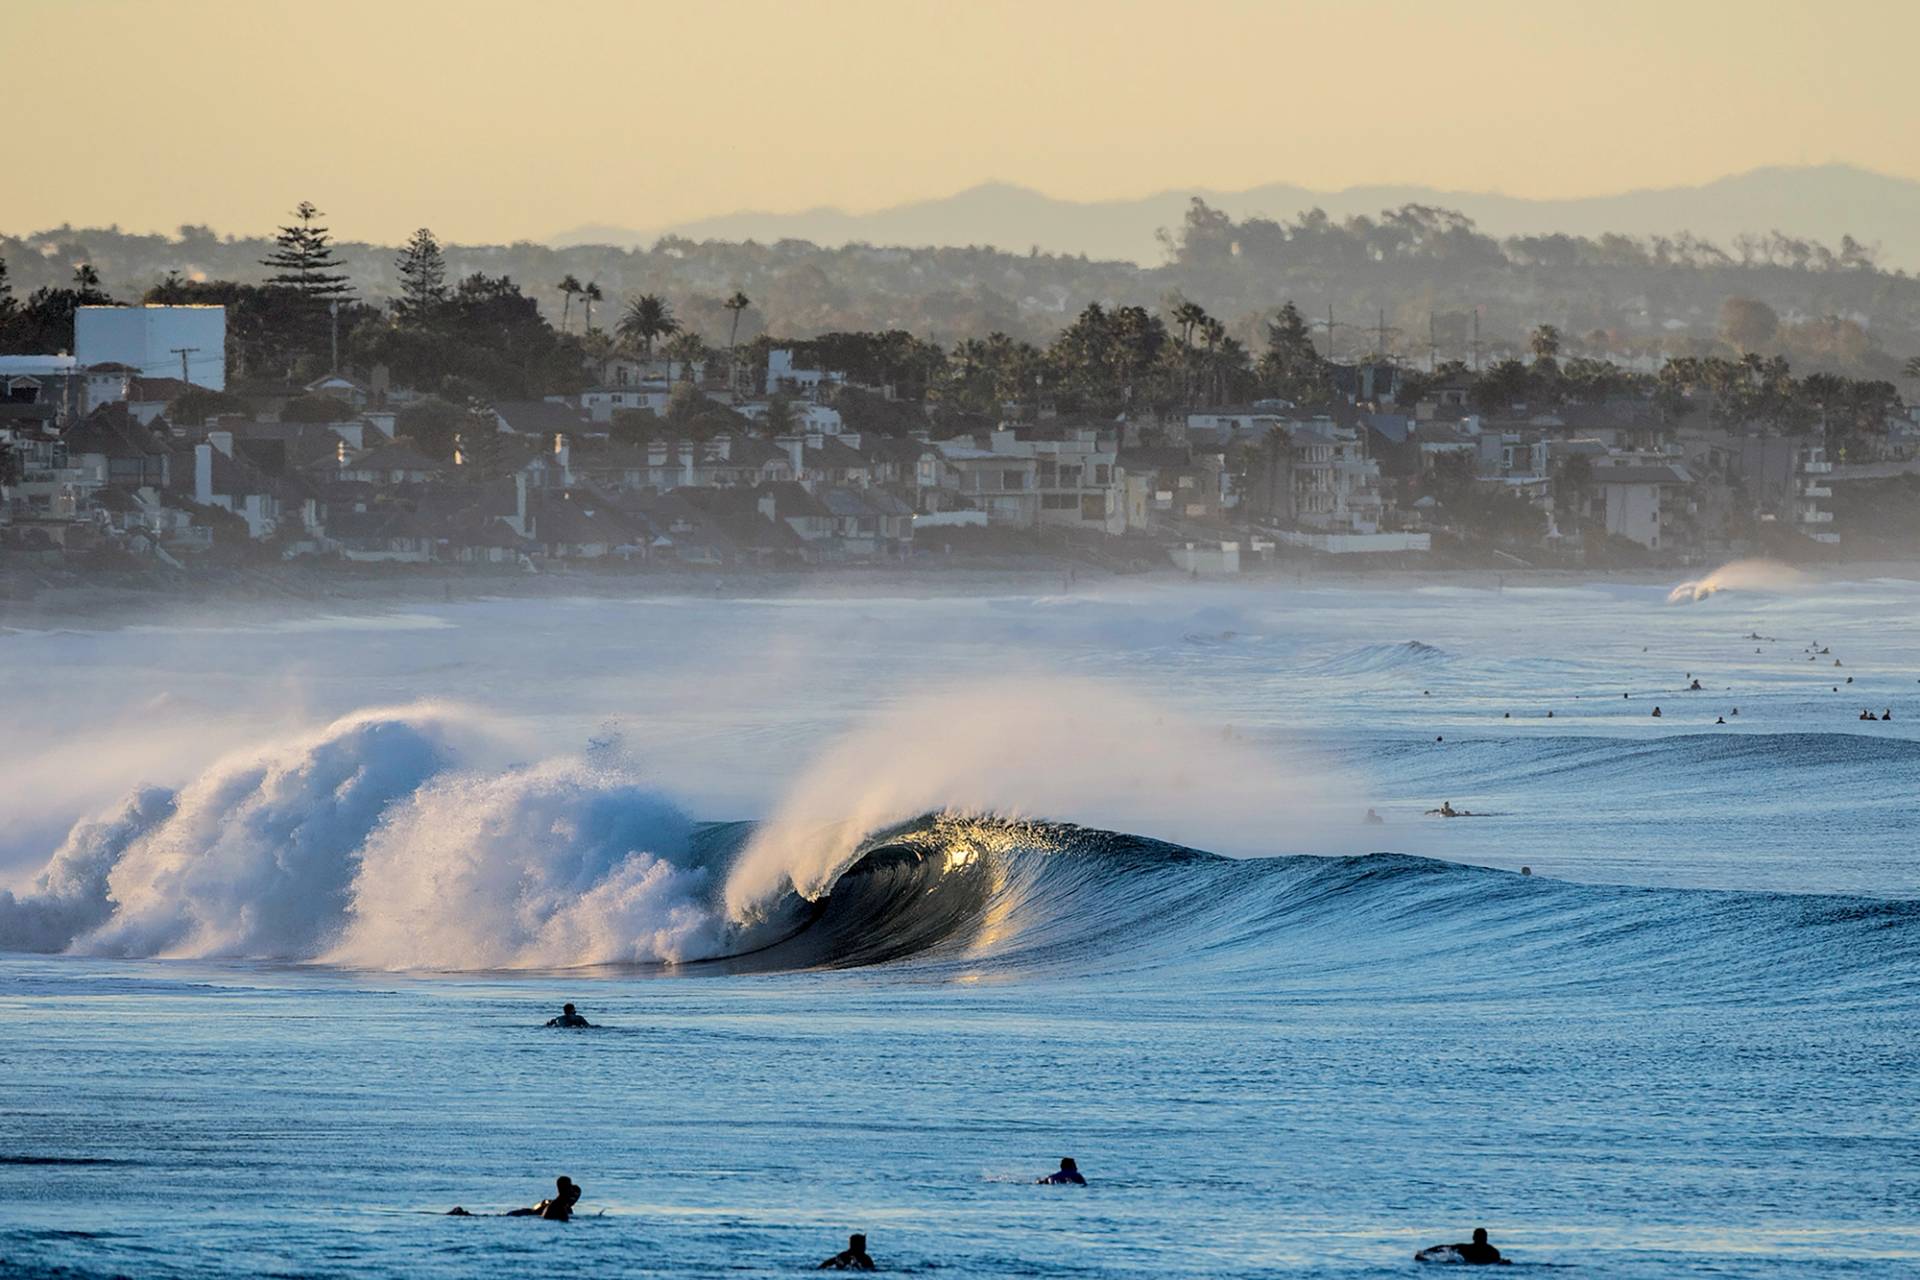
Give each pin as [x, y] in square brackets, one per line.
[379, 842]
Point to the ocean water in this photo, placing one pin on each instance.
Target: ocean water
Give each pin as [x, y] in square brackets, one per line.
[884, 904]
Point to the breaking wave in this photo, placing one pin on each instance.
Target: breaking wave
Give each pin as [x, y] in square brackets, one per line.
[382, 842]
[1740, 575]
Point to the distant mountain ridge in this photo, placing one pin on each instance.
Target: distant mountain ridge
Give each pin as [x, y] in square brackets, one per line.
[1822, 202]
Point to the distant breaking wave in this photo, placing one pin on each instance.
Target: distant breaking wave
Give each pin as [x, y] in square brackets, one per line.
[1741, 575]
[372, 844]
[1410, 655]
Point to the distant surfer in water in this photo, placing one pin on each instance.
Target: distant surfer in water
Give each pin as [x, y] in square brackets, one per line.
[1476, 1252]
[566, 1194]
[1067, 1175]
[558, 1209]
[568, 1018]
[853, 1258]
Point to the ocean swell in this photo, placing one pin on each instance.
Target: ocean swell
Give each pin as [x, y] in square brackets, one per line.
[381, 841]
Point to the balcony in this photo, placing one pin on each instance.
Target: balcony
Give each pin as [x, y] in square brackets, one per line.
[1812, 490]
[1817, 468]
[1811, 516]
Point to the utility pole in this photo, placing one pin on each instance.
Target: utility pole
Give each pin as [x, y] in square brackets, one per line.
[183, 353]
[1380, 339]
[1433, 344]
[333, 311]
[1476, 339]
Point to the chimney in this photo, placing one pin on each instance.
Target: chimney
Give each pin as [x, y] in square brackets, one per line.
[686, 464]
[723, 447]
[563, 459]
[203, 474]
[221, 440]
[796, 448]
[520, 503]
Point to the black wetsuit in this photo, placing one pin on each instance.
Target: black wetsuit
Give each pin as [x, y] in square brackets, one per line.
[1064, 1178]
[847, 1260]
[568, 1020]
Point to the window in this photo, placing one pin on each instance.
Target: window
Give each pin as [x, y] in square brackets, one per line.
[1014, 480]
[1048, 475]
[1093, 506]
[1058, 501]
[1103, 474]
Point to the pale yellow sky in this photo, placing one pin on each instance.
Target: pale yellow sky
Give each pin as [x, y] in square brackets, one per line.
[493, 120]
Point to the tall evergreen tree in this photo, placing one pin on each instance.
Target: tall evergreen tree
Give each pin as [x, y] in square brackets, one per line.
[423, 277]
[303, 259]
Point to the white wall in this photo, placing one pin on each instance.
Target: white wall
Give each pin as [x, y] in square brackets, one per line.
[146, 337]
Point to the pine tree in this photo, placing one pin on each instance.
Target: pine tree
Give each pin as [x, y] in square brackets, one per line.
[423, 277]
[303, 259]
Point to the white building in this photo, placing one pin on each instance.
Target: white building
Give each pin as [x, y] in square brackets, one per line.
[782, 376]
[1812, 484]
[1336, 486]
[152, 341]
[1633, 496]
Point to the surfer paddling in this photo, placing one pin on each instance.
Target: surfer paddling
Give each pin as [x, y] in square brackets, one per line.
[1067, 1175]
[557, 1208]
[1476, 1252]
[852, 1258]
[568, 1018]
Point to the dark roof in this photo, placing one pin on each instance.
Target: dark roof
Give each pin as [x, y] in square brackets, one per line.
[579, 517]
[541, 417]
[835, 453]
[111, 431]
[1391, 426]
[378, 524]
[13, 411]
[791, 500]
[400, 455]
[163, 390]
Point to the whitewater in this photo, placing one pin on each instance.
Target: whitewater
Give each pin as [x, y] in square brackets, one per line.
[887, 901]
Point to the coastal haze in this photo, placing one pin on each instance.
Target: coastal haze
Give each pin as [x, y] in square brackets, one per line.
[1313, 610]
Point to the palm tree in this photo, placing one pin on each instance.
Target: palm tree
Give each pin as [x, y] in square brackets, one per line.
[1189, 316]
[1913, 367]
[1545, 342]
[686, 350]
[736, 304]
[568, 286]
[592, 294]
[647, 318]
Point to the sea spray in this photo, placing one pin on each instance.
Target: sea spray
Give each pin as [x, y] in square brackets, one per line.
[1741, 575]
[555, 865]
[1067, 749]
[257, 855]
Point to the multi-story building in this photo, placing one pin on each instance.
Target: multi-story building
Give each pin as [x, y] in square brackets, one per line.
[1812, 487]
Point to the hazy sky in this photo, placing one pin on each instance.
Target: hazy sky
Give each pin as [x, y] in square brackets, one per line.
[493, 120]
